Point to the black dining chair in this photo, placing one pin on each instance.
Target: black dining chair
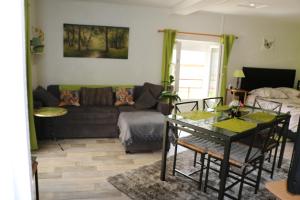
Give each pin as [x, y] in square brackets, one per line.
[267, 105]
[244, 159]
[211, 103]
[190, 142]
[274, 143]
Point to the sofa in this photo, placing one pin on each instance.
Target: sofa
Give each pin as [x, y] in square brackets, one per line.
[97, 115]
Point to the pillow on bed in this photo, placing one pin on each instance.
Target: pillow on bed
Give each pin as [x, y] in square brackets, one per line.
[290, 92]
[269, 93]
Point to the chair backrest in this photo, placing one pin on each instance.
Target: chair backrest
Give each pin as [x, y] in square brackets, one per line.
[266, 104]
[212, 102]
[265, 133]
[186, 106]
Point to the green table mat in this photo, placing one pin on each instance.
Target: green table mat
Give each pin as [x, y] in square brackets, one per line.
[260, 116]
[222, 108]
[235, 125]
[197, 115]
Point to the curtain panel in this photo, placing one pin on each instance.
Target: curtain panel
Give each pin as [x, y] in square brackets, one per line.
[227, 41]
[168, 44]
[33, 140]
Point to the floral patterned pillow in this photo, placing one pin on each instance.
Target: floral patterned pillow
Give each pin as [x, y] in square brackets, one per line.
[124, 96]
[69, 97]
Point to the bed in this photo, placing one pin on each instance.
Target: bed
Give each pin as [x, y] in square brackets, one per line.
[269, 83]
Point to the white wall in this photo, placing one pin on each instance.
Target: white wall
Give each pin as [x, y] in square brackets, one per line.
[145, 43]
[249, 51]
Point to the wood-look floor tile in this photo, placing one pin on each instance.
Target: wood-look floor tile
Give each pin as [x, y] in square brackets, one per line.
[80, 172]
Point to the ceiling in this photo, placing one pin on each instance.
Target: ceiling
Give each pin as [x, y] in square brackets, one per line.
[274, 8]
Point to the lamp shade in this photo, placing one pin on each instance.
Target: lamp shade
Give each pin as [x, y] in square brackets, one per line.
[238, 74]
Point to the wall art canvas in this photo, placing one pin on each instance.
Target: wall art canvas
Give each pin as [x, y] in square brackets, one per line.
[95, 41]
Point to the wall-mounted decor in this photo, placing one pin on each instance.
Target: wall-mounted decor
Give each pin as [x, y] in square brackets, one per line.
[37, 41]
[95, 41]
[268, 43]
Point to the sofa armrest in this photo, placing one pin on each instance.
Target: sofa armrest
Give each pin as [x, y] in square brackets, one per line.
[164, 108]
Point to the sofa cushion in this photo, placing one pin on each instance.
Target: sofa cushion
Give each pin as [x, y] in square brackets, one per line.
[137, 91]
[124, 96]
[45, 97]
[92, 114]
[54, 90]
[154, 89]
[127, 108]
[69, 97]
[96, 96]
[145, 101]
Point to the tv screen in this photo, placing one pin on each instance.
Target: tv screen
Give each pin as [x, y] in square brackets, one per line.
[293, 182]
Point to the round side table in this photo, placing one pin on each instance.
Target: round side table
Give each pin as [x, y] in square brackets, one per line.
[51, 112]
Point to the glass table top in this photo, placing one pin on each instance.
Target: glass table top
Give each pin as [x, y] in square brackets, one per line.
[209, 120]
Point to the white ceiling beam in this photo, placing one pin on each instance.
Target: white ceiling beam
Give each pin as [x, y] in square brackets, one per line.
[187, 7]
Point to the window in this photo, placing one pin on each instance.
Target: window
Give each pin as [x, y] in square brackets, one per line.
[195, 65]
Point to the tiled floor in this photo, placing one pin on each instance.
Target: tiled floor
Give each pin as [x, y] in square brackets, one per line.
[81, 170]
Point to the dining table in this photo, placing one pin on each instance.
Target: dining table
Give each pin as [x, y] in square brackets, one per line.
[216, 124]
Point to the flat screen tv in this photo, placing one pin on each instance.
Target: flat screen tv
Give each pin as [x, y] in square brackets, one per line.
[293, 182]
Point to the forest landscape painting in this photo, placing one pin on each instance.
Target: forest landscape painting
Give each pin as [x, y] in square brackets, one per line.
[95, 41]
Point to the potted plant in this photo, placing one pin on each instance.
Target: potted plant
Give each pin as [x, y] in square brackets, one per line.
[169, 94]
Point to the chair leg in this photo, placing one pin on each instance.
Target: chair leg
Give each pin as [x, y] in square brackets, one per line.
[195, 159]
[174, 161]
[259, 174]
[242, 183]
[202, 157]
[206, 175]
[274, 161]
[36, 186]
[270, 154]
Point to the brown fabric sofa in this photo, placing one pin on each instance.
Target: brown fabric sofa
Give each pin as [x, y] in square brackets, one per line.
[93, 121]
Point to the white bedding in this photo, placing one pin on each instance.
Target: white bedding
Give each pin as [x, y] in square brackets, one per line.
[291, 105]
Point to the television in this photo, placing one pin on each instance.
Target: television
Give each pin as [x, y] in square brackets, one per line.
[293, 181]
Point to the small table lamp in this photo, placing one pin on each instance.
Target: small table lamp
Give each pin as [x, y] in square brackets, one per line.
[238, 74]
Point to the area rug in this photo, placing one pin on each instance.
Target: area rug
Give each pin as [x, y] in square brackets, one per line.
[144, 183]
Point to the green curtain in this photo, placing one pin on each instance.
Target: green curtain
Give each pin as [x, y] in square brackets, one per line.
[33, 140]
[169, 41]
[227, 41]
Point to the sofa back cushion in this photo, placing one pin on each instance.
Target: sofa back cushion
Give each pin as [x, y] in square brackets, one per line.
[96, 96]
[54, 90]
[145, 101]
[154, 89]
[137, 91]
[47, 99]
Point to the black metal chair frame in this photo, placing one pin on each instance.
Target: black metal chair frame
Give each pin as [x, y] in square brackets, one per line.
[202, 153]
[257, 102]
[276, 137]
[256, 161]
[205, 105]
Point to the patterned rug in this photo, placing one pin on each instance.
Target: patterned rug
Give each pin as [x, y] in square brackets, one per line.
[144, 183]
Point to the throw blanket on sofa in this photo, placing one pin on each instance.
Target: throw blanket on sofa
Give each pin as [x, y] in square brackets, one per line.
[141, 126]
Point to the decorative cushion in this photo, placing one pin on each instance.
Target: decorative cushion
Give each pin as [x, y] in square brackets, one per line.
[124, 96]
[45, 97]
[145, 101]
[269, 93]
[290, 92]
[97, 96]
[154, 89]
[69, 98]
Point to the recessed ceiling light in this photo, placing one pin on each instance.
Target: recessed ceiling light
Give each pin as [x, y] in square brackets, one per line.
[252, 4]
